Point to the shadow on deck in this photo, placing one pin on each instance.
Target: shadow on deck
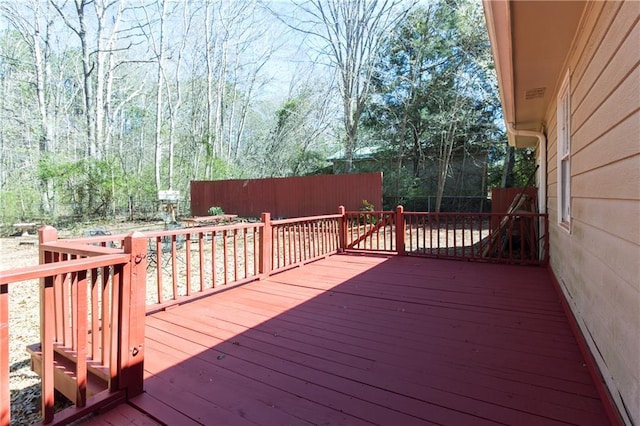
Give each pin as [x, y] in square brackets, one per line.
[362, 339]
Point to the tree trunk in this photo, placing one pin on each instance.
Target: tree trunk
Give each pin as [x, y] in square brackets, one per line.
[43, 72]
[160, 52]
[507, 171]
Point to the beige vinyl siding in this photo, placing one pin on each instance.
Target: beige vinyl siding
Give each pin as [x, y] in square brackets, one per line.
[600, 152]
[598, 264]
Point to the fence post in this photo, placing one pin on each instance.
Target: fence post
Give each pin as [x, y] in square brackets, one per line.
[266, 236]
[47, 234]
[342, 230]
[132, 315]
[400, 230]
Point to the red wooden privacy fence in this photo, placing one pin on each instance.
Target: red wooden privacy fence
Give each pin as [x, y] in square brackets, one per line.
[95, 291]
[287, 197]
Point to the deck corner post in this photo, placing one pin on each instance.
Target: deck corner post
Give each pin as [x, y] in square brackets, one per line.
[342, 230]
[266, 236]
[47, 234]
[5, 393]
[400, 248]
[132, 316]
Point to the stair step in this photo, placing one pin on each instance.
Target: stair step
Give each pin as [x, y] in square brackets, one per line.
[65, 379]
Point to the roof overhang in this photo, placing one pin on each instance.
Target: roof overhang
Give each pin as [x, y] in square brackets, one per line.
[530, 42]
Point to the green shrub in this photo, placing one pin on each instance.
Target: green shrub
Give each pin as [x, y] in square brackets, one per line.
[215, 211]
[365, 218]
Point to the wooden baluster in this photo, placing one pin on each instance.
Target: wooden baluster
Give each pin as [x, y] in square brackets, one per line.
[342, 229]
[225, 256]
[106, 281]
[47, 234]
[400, 248]
[79, 282]
[159, 268]
[174, 266]
[188, 261]
[264, 265]
[201, 258]
[235, 255]
[256, 253]
[245, 232]
[95, 317]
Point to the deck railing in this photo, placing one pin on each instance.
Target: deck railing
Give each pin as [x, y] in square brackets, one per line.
[90, 299]
[298, 241]
[517, 238]
[371, 231]
[193, 261]
[95, 291]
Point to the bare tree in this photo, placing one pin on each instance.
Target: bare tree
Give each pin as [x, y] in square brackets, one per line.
[174, 102]
[80, 29]
[352, 32]
[34, 30]
[158, 45]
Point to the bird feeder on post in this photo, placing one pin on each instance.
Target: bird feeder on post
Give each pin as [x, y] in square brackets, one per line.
[168, 200]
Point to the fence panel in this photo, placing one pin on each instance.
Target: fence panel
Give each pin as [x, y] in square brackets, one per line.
[287, 197]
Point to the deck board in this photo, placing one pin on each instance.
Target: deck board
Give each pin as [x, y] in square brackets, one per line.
[355, 339]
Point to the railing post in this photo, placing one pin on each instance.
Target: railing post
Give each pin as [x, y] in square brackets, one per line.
[5, 396]
[132, 315]
[266, 235]
[47, 234]
[342, 230]
[545, 260]
[400, 230]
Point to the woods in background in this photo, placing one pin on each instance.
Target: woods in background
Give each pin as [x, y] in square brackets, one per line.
[105, 102]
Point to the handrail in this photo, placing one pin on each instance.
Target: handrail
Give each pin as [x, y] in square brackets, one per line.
[305, 219]
[202, 229]
[61, 267]
[78, 249]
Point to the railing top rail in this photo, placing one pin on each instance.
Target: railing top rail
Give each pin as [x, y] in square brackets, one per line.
[63, 267]
[305, 219]
[95, 240]
[198, 229]
[517, 213]
[164, 233]
[369, 212]
[78, 248]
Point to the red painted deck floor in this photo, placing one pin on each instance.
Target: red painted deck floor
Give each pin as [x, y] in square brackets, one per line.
[369, 340]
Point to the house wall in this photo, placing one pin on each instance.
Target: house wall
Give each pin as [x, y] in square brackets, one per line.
[597, 261]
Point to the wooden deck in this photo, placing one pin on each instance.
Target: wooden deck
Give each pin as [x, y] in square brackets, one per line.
[357, 339]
